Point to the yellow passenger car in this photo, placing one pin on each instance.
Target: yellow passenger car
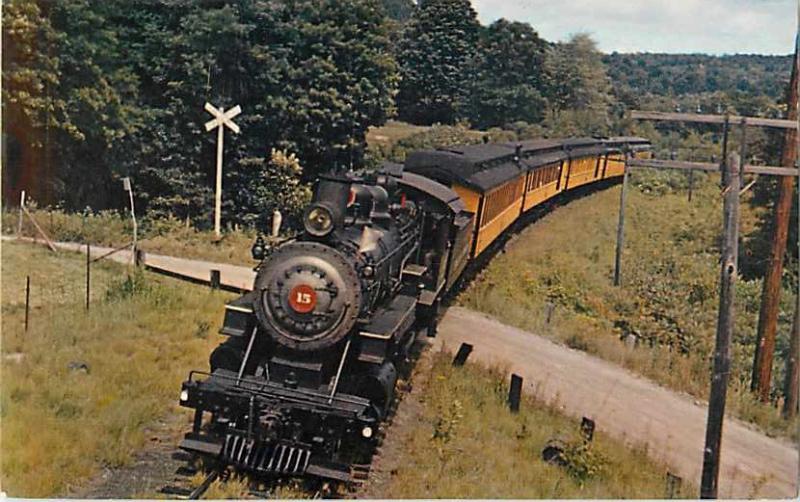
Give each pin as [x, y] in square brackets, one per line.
[500, 182]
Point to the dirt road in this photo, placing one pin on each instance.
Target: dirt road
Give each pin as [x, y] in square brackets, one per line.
[629, 407]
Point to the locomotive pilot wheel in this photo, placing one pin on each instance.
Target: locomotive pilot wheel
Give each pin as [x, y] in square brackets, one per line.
[309, 296]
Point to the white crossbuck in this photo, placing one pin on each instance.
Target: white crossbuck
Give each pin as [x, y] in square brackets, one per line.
[221, 118]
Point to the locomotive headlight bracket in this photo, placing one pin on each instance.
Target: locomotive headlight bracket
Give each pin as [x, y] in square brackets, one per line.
[318, 220]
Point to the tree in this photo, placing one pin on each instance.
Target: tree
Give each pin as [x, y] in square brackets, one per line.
[398, 10]
[276, 186]
[508, 76]
[30, 108]
[579, 79]
[435, 54]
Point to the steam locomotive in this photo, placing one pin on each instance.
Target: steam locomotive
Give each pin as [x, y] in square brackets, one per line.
[308, 371]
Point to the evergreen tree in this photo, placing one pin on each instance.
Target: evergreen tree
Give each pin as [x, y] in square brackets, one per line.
[509, 77]
[435, 54]
[398, 10]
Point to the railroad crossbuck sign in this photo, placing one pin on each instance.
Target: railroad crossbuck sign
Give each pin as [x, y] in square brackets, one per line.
[221, 120]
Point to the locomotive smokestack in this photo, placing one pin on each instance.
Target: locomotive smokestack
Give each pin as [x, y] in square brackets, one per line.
[328, 208]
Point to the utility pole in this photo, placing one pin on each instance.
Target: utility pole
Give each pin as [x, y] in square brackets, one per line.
[621, 223]
[791, 387]
[221, 120]
[725, 321]
[771, 292]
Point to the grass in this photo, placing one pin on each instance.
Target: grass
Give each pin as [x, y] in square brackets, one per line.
[61, 424]
[667, 304]
[108, 228]
[466, 444]
[390, 133]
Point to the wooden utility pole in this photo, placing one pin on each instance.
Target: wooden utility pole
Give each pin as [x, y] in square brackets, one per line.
[791, 386]
[725, 321]
[621, 223]
[771, 292]
[221, 119]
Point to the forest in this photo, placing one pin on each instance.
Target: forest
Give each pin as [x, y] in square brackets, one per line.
[95, 91]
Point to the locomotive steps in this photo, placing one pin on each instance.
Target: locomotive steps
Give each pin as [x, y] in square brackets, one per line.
[669, 424]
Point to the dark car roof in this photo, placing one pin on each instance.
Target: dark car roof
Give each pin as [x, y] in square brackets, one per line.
[483, 167]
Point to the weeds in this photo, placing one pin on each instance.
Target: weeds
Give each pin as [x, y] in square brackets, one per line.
[492, 453]
[163, 235]
[60, 425]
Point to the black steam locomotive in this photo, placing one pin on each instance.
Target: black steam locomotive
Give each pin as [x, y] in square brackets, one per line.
[308, 371]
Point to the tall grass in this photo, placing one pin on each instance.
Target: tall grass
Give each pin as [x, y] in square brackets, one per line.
[62, 421]
[110, 228]
[667, 304]
[466, 444]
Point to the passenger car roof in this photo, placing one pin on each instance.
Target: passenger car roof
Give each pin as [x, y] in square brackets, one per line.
[484, 167]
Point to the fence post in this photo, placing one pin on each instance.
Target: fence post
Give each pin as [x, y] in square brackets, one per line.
[139, 257]
[725, 324]
[462, 355]
[514, 393]
[88, 273]
[27, 300]
[21, 209]
[215, 279]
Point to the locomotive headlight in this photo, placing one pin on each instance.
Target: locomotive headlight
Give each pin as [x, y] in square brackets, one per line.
[184, 395]
[318, 220]
[367, 432]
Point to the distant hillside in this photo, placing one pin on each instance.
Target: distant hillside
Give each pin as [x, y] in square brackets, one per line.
[680, 74]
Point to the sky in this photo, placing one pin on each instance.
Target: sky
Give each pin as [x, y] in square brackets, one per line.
[677, 26]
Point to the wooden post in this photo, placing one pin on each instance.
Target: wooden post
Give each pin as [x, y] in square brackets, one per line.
[463, 353]
[515, 393]
[21, 210]
[742, 152]
[88, 273]
[725, 129]
[215, 279]
[27, 300]
[691, 183]
[139, 257]
[725, 322]
[221, 120]
[621, 224]
[771, 291]
[39, 229]
[218, 189]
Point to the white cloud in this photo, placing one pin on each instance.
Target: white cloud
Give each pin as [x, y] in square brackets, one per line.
[712, 26]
